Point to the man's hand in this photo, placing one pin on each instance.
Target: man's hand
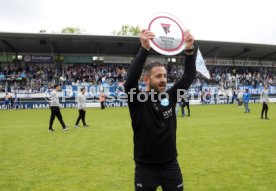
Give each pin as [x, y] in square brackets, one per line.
[145, 38]
[189, 39]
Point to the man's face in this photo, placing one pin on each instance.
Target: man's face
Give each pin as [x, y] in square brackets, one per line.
[58, 88]
[157, 79]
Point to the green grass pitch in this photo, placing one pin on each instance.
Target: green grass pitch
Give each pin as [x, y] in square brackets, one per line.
[220, 149]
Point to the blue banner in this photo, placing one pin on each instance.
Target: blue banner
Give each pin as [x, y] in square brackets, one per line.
[118, 89]
[66, 104]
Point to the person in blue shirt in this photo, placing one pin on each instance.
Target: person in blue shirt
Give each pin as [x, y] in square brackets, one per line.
[246, 98]
[7, 100]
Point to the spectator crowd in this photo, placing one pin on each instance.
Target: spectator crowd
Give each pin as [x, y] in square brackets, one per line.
[37, 78]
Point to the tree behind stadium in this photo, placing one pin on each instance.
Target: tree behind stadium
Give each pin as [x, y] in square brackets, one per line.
[72, 30]
[128, 30]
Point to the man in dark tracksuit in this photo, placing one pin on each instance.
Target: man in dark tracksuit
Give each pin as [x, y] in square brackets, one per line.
[185, 102]
[154, 120]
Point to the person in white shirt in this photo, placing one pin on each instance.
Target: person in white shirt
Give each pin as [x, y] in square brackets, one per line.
[55, 109]
[81, 107]
[240, 96]
[15, 101]
[264, 101]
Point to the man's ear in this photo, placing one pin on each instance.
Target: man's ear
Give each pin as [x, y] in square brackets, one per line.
[146, 78]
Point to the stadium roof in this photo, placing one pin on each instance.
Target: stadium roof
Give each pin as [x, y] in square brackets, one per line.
[45, 43]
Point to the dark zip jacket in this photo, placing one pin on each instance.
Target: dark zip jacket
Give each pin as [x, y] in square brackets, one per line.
[154, 123]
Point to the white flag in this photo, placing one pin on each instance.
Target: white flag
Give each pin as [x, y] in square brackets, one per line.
[200, 65]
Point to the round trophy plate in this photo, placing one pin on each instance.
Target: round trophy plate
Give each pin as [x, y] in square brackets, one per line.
[169, 34]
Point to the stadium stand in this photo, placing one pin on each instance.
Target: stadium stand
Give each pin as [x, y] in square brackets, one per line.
[38, 78]
[33, 63]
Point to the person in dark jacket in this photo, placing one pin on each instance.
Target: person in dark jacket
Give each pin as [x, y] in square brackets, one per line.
[185, 103]
[154, 119]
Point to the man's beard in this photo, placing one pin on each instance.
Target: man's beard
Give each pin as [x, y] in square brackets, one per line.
[156, 88]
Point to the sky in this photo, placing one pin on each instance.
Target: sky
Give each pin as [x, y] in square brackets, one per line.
[251, 21]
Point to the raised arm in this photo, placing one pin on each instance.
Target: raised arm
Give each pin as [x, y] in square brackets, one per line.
[135, 70]
[190, 69]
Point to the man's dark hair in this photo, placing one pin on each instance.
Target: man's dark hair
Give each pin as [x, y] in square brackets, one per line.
[147, 68]
[56, 85]
[82, 89]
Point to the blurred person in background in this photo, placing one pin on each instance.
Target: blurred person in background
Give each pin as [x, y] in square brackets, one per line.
[81, 107]
[264, 100]
[246, 98]
[7, 100]
[55, 109]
